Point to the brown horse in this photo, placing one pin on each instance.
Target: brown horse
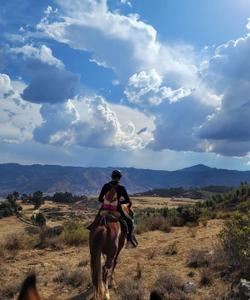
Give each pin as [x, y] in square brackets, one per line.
[105, 239]
[28, 291]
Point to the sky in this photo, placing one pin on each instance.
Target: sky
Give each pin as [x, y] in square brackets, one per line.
[161, 84]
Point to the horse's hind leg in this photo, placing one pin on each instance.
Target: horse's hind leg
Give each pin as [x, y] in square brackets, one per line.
[108, 269]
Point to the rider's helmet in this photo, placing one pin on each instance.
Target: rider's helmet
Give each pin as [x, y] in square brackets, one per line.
[116, 174]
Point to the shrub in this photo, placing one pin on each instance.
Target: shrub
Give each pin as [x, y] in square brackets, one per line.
[15, 242]
[198, 259]
[206, 277]
[192, 231]
[73, 278]
[169, 286]
[172, 249]
[190, 214]
[75, 234]
[10, 290]
[203, 221]
[235, 242]
[131, 290]
[152, 223]
[151, 254]
[139, 270]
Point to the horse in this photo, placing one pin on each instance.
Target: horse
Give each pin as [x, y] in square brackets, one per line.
[106, 239]
[28, 290]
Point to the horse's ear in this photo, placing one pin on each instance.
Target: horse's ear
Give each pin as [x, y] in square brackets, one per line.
[28, 290]
[155, 296]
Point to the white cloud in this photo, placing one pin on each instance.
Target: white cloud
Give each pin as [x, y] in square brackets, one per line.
[147, 88]
[129, 3]
[228, 129]
[42, 53]
[5, 85]
[90, 122]
[18, 118]
[127, 45]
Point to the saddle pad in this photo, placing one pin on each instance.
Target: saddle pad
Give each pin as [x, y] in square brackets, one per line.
[112, 214]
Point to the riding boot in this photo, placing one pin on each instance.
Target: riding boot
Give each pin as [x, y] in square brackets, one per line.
[131, 238]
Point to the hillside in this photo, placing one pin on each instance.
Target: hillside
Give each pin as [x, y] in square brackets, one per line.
[52, 178]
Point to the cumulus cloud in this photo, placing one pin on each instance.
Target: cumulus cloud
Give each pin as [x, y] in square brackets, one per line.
[5, 85]
[154, 72]
[90, 122]
[227, 129]
[91, 26]
[42, 53]
[177, 125]
[197, 105]
[18, 118]
[147, 87]
[51, 85]
[50, 82]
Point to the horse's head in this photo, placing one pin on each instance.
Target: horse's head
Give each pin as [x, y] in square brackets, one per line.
[28, 290]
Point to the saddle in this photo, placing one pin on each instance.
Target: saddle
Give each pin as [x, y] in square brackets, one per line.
[105, 216]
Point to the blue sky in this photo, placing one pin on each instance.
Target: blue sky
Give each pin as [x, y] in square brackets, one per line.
[152, 84]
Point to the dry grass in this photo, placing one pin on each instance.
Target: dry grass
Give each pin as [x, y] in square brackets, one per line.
[131, 290]
[13, 243]
[152, 223]
[150, 255]
[10, 290]
[198, 259]
[172, 249]
[170, 287]
[72, 277]
[75, 234]
[206, 277]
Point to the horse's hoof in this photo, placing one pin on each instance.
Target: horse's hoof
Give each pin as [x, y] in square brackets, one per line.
[107, 296]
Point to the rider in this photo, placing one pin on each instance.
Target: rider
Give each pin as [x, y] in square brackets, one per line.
[121, 193]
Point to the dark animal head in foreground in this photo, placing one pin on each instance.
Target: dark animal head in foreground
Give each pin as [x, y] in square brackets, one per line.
[28, 290]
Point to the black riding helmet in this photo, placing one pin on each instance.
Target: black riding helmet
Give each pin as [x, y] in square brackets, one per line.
[116, 174]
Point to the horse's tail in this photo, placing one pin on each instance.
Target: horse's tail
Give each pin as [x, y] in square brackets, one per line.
[96, 244]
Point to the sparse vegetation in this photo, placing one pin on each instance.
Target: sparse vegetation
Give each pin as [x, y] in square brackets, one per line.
[198, 259]
[172, 249]
[235, 239]
[152, 223]
[170, 287]
[10, 290]
[206, 277]
[75, 233]
[215, 262]
[73, 278]
[131, 290]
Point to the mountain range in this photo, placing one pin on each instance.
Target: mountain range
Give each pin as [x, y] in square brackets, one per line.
[89, 180]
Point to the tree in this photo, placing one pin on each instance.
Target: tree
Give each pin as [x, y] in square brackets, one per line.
[37, 199]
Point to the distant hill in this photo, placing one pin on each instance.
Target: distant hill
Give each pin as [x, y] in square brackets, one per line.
[79, 180]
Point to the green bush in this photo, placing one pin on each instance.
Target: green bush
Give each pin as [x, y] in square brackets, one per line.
[235, 239]
[75, 234]
[152, 223]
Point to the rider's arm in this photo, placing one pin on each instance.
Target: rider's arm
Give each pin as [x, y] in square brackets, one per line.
[103, 192]
[126, 197]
